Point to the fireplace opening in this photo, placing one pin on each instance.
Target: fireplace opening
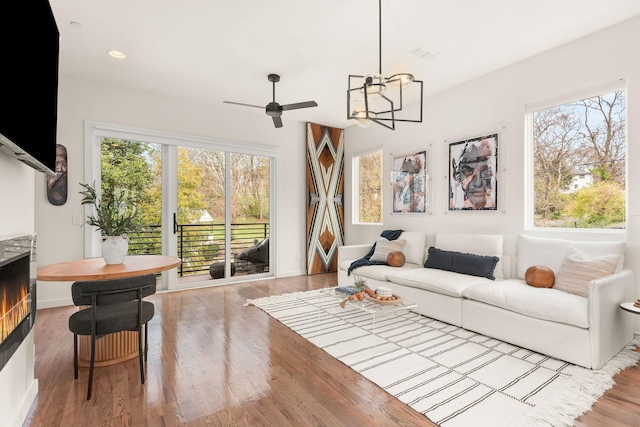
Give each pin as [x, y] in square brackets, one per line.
[15, 309]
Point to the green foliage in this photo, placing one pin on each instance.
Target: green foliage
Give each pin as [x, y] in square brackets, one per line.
[114, 215]
[360, 283]
[127, 167]
[598, 205]
[191, 203]
[602, 172]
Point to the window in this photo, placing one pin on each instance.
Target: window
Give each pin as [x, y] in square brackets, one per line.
[367, 187]
[570, 139]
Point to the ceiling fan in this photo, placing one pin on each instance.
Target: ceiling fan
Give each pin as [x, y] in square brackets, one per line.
[274, 109]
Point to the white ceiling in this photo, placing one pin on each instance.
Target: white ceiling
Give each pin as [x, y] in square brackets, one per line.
[215, 50]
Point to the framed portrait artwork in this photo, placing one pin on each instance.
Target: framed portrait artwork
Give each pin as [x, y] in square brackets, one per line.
[409, 178]
[473, 180]
[57, 184]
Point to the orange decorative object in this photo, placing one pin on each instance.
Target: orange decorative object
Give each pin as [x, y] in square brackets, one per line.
[395, 259]
[540, 277]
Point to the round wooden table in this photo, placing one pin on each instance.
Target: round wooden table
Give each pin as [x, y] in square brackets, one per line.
[121, 346]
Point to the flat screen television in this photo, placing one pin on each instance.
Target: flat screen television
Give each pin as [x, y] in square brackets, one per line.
[29, 82]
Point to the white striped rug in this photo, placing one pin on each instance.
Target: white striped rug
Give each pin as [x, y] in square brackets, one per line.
[453, 376]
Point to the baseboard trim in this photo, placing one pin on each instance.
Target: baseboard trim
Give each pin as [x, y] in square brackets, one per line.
[23, 412]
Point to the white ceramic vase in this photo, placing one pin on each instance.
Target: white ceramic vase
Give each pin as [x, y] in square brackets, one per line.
[114, 249]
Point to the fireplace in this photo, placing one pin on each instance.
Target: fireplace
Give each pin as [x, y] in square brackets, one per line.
[17, 289]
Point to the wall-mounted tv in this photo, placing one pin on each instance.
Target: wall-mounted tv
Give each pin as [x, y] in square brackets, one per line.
[29, 82]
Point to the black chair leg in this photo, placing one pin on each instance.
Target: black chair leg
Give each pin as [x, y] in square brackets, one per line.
[140, 355]
[146, 340]
[93, 358]
[75, 356]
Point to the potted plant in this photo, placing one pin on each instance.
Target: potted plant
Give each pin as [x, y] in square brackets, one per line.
[359, 283]
[114, 216]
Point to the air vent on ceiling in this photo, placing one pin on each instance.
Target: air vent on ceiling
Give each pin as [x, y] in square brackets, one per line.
[424, 53]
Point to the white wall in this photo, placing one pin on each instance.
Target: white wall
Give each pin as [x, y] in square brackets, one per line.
[496, 102]
[81, 100]
[18, 388]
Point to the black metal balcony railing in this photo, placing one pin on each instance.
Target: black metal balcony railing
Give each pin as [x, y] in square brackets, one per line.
[200, 245]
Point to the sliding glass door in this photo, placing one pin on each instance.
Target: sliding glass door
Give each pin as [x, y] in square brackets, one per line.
[208, 205]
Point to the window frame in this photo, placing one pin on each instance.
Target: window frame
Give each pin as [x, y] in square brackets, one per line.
[529, 190]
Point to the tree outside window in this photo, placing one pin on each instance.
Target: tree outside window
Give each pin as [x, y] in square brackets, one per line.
[368, 191]
[579, 154]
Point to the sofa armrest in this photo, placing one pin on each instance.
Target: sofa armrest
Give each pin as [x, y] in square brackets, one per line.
[352, 252]
[611, 328]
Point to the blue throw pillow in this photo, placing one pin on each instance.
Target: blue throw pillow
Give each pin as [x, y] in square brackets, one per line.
[463, 263]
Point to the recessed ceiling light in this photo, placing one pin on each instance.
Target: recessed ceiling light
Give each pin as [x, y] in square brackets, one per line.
[116, 54]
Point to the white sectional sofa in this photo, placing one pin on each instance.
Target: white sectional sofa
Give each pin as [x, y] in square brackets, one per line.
[584, 330]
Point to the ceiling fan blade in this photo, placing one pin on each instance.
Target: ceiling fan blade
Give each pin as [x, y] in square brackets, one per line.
[244, 105]
[277, 121]
[299, 105]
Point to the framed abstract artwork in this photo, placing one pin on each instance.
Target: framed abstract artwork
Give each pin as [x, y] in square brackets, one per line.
[409, 179]
[473, 179]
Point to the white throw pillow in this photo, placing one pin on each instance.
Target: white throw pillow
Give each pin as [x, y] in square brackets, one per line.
[414, 244]
[598, 249]
[384, 247]
[577, 271]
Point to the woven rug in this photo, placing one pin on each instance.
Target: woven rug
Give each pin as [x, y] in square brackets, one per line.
[453, 376]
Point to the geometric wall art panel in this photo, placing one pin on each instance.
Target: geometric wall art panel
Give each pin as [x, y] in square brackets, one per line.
[325, 192]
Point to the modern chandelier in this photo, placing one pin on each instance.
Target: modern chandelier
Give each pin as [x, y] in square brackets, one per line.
[379, 99]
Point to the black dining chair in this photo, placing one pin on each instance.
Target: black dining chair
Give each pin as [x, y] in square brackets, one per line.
[109, 306]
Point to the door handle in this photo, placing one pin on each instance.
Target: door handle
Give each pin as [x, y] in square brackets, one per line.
[175, 223]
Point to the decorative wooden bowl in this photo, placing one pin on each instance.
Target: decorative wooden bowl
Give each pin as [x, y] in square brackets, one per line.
[382, 302]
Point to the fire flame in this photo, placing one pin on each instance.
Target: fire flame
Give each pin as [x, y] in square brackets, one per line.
[13, 312]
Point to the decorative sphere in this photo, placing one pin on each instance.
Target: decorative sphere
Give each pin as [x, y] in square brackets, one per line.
[395, 259]
[540, 276]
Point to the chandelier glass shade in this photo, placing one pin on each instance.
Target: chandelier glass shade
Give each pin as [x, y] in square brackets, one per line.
[379, 99]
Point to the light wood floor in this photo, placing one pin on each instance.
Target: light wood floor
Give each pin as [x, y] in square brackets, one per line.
[213, 362]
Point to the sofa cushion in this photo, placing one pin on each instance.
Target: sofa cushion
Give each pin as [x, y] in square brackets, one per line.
[440, 281]
[384, 247]
[463, 263]
[540, 251]
[479, 244]
[414, 244]
[541, 303]
[551, 252]
[380, 272]
[577, 271]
